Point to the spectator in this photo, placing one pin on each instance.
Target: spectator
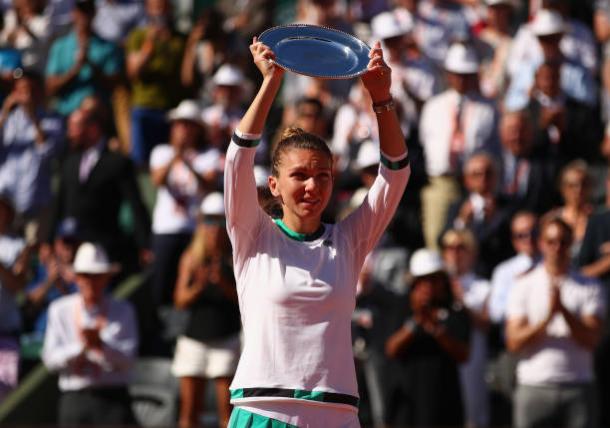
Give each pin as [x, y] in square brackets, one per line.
[92, 340]
[222, 116]
[27, 29]
[594, 260]
[209, 347]
[472, 126]
[154, 57]
[431, 342]
[484, 212]
[459, 252]
[497, 38]
[114, 19]
[549, 29]
[529, 166]
[10, 63]
[601, 25]
[182, 171]
[439, 24]
[570, 127]
[31, 139]
[53, 278]
[93, 184]
[554, 322]
[12, 280]
[81, 63]
[575, 187]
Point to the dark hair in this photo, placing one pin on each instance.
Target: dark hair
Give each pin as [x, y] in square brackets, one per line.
[296, 138]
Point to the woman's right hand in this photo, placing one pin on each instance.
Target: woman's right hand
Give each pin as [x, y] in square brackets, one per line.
[263, 56]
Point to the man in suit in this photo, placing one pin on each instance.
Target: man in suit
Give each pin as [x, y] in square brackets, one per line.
[94, 182]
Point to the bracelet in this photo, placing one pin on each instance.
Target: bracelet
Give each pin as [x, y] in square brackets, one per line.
[384, 106]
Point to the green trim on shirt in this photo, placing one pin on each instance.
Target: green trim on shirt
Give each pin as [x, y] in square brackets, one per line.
[302, 237]
[241, 418]
[395, 165]
[301, 394]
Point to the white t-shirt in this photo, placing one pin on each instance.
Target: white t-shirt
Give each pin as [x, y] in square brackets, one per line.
[556, 358]
[178, 199]
[297, 297]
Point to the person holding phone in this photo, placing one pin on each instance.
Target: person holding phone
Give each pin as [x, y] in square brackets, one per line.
[296, 276]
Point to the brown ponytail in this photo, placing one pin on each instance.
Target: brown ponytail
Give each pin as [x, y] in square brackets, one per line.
[295, 138]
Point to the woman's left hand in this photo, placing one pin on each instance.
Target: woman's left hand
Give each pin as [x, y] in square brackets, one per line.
[378, 77]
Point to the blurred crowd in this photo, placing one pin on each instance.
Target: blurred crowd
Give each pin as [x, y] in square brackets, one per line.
[483, 305]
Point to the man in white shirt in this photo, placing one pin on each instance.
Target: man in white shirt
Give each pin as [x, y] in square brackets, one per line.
[454, 124]
[554, 322]
[92, 340]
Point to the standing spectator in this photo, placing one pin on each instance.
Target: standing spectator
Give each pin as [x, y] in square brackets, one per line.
[459, 252]
[472, 126]
[12, 280]
[93, 184]
[81, 63]
[484, 212]
[31, 138]
[154, 57]
[26, 28]
[92, 340]
[209, 348]
[529, 165]
[554, 322]
[575, 187]
[430, 344]
[182, 171]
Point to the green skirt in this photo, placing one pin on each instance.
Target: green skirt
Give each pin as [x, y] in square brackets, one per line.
[241, 418]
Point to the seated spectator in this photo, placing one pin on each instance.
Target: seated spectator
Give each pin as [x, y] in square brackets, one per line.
[571, 128]
[81, 63]
[549, 30]
[497, 38]
[53, 278]
[554, 322]
[154, 56]
[27, 29]
[484, 212]
[182, 171]
[12, 280]
[529, 167]
[472, 126]
[226, 109]
[93, 184]
[575, 188]
[430, 344]
[92, 341]
[210, 345]
[459, 252]
[31, 139]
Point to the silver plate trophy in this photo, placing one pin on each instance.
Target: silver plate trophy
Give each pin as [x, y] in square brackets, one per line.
[317, 51]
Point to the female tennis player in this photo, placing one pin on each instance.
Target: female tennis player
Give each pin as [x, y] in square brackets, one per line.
[296, 276]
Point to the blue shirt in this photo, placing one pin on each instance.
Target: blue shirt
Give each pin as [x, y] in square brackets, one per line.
[62, 57]
[25, 166]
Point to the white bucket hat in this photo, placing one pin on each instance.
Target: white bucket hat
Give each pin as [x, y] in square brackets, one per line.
[500, 2]
[228, 75]
[92, 258]
[547, 22]
[425, 262]
[391, 24]
[461, 59]
[213, 204]
[187, 110]
[368, 155]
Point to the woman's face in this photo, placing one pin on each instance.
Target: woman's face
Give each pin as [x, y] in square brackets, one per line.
[304, 183]
[575, 188]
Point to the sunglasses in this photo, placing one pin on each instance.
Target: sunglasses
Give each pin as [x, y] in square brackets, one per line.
[529, 234]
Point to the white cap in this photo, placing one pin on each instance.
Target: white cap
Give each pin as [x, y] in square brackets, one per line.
[187, 110]
[500, 2]
[547, 22]
[261, 176]
[461, 59]
[368, 154]
[213, 204]
[228, 75]
[425, 262]
[391, 24]
[92, 258]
